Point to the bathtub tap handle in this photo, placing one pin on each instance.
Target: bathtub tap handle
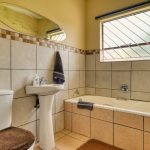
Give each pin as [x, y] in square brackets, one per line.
[124, 88]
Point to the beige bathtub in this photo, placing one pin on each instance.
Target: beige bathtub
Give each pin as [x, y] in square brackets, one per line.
[131, 106]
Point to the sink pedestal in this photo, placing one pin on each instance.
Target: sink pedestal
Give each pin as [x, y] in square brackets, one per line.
[46, 94]
[46, 133]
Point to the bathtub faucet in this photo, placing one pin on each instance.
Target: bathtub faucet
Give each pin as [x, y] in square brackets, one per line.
[124, 88]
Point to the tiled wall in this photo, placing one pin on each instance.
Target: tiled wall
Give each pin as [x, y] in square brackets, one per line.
[21, 59]
[105, 79]
[124, 130]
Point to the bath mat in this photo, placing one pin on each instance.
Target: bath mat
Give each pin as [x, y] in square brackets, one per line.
[96, 145]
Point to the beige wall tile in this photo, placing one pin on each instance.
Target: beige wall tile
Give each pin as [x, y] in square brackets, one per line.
[5, 53]
[73, 79]
[82, 91]
[59, 124]
[23, 55]
[119, 78]
[127, 119]
[54, 122]
[74, 93]
[74, 61]
[5, 79]
[146, 141]
[45, 58]
[76, 110]
[90, 62]
[128, 138]
[103, 79]
[21, 78]
[66, 84]
[30, 127]
[48, 75]
[82, 62]
[102, 65]
[65, 59]
[38, 125]
[82, 79]
[103, 92]
[120, 94]
[59, 99]
[141, 78]
[147, 124]
[141, 65]
[102, 131]
[121, 65]
[140, 96]
[81, 124]
[23, 111]
[89, 91]
[68, 121]
[68, 106]
[90, 78]
[102, 114]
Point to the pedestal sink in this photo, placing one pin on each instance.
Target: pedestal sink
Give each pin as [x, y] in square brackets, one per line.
[46, 97]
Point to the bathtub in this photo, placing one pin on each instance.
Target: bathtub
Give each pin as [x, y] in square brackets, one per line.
[123, 105]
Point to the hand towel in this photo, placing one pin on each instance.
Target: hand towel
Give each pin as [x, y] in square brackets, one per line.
[58, 74]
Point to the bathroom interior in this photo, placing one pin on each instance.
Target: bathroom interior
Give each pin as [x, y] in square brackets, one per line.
[75, 75]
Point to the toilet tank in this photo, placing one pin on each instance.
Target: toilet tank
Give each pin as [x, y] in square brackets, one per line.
[6, 98]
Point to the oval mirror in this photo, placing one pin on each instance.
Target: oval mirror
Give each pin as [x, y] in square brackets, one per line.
[27, 22]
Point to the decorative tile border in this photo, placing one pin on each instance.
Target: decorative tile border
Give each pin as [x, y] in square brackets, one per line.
[94, 51]
[43, 42]
[38, 41]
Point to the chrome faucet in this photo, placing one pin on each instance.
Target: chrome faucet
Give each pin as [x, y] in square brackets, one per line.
[42, 81]
[76, 92]
[124, 88]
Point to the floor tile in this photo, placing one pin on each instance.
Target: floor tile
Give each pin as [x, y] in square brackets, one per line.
[68, 143]
[59, 135]
[79, 137]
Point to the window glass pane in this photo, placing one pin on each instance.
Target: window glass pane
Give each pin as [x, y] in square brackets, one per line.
[127, 38]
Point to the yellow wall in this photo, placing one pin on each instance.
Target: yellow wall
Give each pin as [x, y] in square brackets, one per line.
[76, 17]
[97, 7]
[68, 14]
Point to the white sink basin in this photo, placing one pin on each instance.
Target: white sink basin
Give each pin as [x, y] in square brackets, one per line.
[46, 98]
[46, 89]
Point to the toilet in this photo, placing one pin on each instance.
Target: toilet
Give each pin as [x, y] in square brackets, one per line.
[12, 138]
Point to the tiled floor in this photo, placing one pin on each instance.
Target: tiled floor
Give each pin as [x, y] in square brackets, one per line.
[66, 140]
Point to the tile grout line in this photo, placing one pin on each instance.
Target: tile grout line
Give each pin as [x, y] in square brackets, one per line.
[11, 64]
[111, 78]
[143, 132]
[95, 71]
[36, 108]
[131, 81]
[113, 128]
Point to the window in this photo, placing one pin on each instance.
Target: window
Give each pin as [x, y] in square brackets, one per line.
[126, 37]
[57, 36]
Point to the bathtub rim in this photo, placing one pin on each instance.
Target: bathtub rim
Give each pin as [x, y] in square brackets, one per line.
[113, 108]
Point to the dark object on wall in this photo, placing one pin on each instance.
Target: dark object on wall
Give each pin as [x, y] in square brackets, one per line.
[85, 105]
[58, 75]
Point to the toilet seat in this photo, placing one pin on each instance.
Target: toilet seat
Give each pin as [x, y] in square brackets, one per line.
[16, 139]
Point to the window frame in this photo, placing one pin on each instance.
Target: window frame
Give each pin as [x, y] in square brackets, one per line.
[117, 16]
